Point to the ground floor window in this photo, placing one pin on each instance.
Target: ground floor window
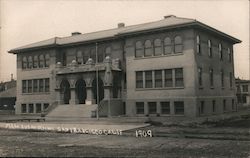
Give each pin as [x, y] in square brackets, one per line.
[214, 104]
[179, 107]
[224, 105]
[45, 106]
[38, 108]
[202, 107]
[233, 105]
[139, 107]
[152, 107]
[23, 108]
[31, 108]
[165, 107]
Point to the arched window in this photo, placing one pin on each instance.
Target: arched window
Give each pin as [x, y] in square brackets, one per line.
[108, 52]
[177, 44]
[30, 62]
[35, 63]
[24, 63]
[47, 60]
[85, 56]
[148, 48]
[41, 61]
[167, 46]
[138, 49]
[79, 57]
[157, 47]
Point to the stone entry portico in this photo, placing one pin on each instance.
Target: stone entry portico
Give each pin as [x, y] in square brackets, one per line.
[86, 74]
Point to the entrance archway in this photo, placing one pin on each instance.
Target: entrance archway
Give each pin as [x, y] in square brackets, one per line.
[100, 89]
[65, 91]
[81, 91]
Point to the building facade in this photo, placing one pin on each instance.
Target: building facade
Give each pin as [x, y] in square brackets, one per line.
[243, 93]
[171, 67]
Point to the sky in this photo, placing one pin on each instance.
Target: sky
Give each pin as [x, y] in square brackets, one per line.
[28, 21]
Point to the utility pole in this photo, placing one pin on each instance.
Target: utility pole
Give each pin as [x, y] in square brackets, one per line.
[97, 82]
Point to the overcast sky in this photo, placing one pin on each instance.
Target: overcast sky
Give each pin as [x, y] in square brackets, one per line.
[29, 21]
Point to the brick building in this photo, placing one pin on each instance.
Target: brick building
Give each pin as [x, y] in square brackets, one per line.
[171, 67]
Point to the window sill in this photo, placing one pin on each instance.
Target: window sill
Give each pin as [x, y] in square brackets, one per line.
[158, 56]
[164, 88]
[35, 69]
[37, 93]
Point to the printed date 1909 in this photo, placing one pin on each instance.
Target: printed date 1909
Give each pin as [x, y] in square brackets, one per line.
[143, 133]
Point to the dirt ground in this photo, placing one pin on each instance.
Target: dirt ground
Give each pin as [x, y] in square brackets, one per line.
[44, 144]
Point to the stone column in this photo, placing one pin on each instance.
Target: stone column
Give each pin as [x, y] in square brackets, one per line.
[59, 98]
[73, 100]
[89, 99]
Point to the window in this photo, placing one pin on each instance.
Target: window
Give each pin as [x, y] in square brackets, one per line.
[31, 108]
[210, 53]
[24, 63]
[179, 77]
[222, 78]
[149, 80]
[220, 52]
[211, 77]
[47, 60]
[139, 79]
[35, 63]
[93, 55]
[200, 76]
[24, 86]
[29, 86]
[165, 107]
[45, 106]
[35, 85]
[179, 107]
[23, 108]
[233, 105]
[64, 59]
[214, 105]
[229, 55]
[168, 78]
[158, 78]
[30, 62]
[47, 85]
[148, 48]
[41, 87]
[85, 56]
[244, 88]
[177, 44]
[198, 45]
[157, 47]
[138, 49]
[231, 79]
[79, 57]
[38, 108]
[100, 56]
[139, 107]
[224, 105]
[108, 52]
[202, 107]
[152, 107]
[41, 61]
[167, 46]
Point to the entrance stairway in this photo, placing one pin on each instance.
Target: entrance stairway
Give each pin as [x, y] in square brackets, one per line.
[72, 111]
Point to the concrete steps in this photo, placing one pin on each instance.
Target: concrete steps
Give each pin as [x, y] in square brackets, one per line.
[72, 111]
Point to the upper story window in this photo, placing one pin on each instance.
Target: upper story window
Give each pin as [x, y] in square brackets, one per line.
[158, 78]
[167, 46]
[35, 62]
[85, 56]
[41, 61]
[24, 63]
[231, 79]
[200, 76]
[64, 59]
[244, 88]
[177, 44]
[168, 78]
[93, 54]
[198, 44]
[157, 47]
[100, 56]
[148, 48]
[210, 53]
[30, 62]
[220, 52]
[79, 57]
[222, 78]
[229, 55]
[211, 77]
[47, 60]
[148, 79]
[179, 77]
[108, 52]
[138, 49]
[139, 79]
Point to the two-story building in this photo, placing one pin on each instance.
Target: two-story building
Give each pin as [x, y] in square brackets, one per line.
[171, 67]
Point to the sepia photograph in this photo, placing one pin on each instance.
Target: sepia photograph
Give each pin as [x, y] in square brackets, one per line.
[123, 78]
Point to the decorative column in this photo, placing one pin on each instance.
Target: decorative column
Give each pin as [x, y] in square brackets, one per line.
[89, 99]
[108, 78]
[73, 100]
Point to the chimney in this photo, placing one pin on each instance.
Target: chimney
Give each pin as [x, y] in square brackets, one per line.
[75, 33]
[169, 16]
[120, 25]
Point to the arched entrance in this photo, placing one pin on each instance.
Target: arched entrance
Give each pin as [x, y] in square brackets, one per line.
[65, 91]
[100, 89]
[81, 92]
